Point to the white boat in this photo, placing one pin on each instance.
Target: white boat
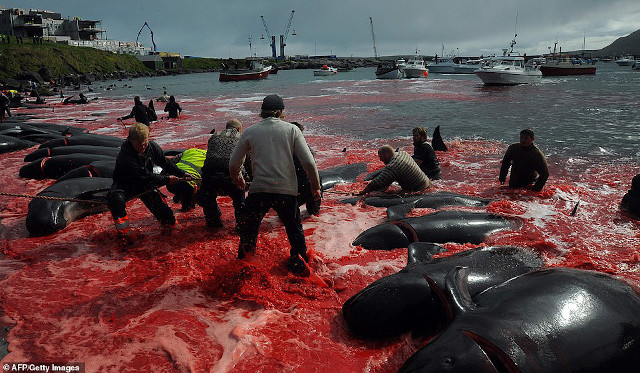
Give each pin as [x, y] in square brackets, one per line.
[389, 70]
[401, 63]
[508, 70]
[625, 61]
[325, 71]
[415, 68]
[442, 65]
[468, 66]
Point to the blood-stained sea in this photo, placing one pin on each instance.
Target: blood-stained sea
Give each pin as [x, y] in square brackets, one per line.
[181, 301]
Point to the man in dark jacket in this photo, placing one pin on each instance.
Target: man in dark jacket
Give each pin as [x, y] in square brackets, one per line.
[172, 107]
[139, 111]
[528, 164]
[424, 155]
[133, 177]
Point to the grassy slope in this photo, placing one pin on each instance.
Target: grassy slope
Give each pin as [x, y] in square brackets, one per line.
[62, 59]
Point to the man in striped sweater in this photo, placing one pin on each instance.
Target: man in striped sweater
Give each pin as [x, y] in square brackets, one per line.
[399, 167]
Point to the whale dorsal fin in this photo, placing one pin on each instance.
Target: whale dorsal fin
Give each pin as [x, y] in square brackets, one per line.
[457, 288]
[422, 252]
[436, 141]
[400, 211]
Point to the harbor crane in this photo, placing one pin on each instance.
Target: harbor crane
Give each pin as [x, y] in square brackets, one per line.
[272, 38]
[283, 36]
[139, 32]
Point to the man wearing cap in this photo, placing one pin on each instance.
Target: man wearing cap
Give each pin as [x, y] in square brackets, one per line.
[271, 144]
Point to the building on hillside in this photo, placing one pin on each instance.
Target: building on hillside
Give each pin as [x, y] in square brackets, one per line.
[73, 31]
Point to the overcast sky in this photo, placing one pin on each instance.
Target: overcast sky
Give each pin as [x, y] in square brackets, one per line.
[221, 28]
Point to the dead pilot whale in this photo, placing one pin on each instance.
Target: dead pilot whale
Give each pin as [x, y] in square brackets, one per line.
[550, 320]
[404, 302]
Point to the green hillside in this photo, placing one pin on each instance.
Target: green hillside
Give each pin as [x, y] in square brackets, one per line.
[62, 59]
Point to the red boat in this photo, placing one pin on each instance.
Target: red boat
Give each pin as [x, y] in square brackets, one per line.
[253, 71]
[567, 66]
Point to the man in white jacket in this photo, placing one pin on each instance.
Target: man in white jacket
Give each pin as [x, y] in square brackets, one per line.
[271, 144]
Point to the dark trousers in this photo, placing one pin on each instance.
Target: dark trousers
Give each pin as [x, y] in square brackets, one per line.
[212, 186]
[184, 193]
[117, 203]
[256, 207]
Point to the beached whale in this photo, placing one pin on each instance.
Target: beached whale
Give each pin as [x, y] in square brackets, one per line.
[551, 320]
[61, 150]
[398, 206]
[11, 144]
[85, 139]
[404, 302]
[438, 227]
[341, 174]
[56, 166]
[93, 169]
[48, 216]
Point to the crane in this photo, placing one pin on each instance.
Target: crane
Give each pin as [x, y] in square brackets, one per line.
[283, 38]
[139, 32]
[373, 36]
[272, 38]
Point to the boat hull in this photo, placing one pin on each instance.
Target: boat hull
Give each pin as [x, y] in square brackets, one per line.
[391, 74]
[506, 78]
[441, 68]
[239, 75]
[415, 72]
[560, 70]
[625, 62]
[324, 72]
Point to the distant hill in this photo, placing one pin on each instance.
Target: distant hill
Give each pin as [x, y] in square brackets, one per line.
[622, 46]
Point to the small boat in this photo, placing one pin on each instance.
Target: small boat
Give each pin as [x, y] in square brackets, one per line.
[253, 71]
[389, 70]
[274, 70]
[625, 61]
[325, 71]
[636, 65]
[508, 69]
[415, 68]
[468, 66]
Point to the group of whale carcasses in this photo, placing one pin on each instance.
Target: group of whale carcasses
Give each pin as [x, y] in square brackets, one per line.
[489, 309]
[81, 163]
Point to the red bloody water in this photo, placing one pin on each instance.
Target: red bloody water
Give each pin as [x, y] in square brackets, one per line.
[182, 302]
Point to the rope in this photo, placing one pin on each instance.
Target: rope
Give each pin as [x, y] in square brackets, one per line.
[52, 198]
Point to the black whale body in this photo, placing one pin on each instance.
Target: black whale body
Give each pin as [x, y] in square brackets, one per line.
[438, 227]
[404, 302]
[551, 320]
[48, 216]
[56, 166]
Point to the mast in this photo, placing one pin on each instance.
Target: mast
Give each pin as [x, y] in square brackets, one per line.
[373, 36]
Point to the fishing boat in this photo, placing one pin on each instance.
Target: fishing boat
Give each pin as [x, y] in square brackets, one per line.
[508, 69]
[442, 65]
[389, 70]
[325, 71]
[559, 65]
[254, 70]
[563, 66]
[415, 68]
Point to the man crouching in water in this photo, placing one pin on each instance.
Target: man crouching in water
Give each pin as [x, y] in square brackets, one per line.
[133, 177]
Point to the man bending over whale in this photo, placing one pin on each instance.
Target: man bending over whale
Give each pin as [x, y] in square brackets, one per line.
[400, 167]
[133, 177]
